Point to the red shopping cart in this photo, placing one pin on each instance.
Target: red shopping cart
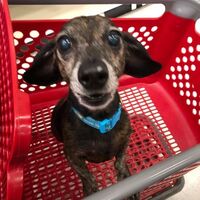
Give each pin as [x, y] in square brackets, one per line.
[164, 109]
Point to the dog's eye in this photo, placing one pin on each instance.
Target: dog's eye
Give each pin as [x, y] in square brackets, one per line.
[114, 38]
[64, 44]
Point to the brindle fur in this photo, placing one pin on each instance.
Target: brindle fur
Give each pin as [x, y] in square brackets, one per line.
[81, 142]
[86, 143]
[90, 32]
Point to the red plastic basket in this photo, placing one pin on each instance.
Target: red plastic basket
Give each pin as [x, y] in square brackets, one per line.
[164, 109]
[15, 119]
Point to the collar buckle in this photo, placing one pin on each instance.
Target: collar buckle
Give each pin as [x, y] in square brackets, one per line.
[105, 126]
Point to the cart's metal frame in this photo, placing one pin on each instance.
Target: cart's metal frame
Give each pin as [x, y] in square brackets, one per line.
[149, 176]
[84, 1]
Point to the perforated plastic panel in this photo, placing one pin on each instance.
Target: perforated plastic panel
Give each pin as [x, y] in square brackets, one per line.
[183, 72]
[28, 41]
[48, 175]
[6, 104]
[13, 115]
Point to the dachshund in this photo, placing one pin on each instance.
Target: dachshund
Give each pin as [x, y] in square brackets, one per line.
[90, 54]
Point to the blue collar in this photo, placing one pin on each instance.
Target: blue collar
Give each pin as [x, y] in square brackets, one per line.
[103, 126]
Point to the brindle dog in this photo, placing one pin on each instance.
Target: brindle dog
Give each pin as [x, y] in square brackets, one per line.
[91, 53]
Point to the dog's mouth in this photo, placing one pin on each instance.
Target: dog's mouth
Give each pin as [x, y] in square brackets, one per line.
[96, 98]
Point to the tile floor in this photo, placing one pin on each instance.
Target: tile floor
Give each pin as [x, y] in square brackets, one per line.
[191, 190]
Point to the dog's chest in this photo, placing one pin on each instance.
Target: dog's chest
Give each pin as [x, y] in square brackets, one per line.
[99, 148]
[88, 143]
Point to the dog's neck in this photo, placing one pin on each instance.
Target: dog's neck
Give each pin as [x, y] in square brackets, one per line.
[100, 114]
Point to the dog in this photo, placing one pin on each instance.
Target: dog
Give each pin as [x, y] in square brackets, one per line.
[91, 53]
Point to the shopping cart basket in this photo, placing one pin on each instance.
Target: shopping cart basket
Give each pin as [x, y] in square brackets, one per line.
[164, 110]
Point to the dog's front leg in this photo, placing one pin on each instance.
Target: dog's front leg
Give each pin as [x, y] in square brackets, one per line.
[120, 164]
[88, 180]
[122, 169]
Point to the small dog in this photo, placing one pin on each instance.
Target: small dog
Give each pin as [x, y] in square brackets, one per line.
[90, 53]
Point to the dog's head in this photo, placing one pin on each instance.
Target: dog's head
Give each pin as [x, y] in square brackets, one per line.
[90, 53]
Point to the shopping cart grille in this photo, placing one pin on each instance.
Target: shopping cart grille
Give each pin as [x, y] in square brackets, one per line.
[48, 174]
[6, 104]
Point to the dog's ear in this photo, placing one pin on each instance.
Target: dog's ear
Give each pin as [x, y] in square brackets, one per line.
[44, 70]
[137, 62]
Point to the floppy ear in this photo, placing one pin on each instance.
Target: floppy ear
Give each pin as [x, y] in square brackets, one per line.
[44, 70]
[137, 62]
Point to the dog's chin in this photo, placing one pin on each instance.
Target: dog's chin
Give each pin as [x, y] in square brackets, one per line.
[96, 99]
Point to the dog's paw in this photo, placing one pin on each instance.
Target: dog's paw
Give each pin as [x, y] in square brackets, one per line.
[134, 197]
[88, 190]
[123, 173]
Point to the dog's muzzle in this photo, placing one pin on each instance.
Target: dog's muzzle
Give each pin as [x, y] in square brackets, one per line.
[93, 75]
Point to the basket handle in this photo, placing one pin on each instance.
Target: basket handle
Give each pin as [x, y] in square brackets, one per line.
[183, 8]
[92, 1]
[87, 1]
[147, 177]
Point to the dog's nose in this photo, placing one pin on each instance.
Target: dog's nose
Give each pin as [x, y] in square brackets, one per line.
[93, 74]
